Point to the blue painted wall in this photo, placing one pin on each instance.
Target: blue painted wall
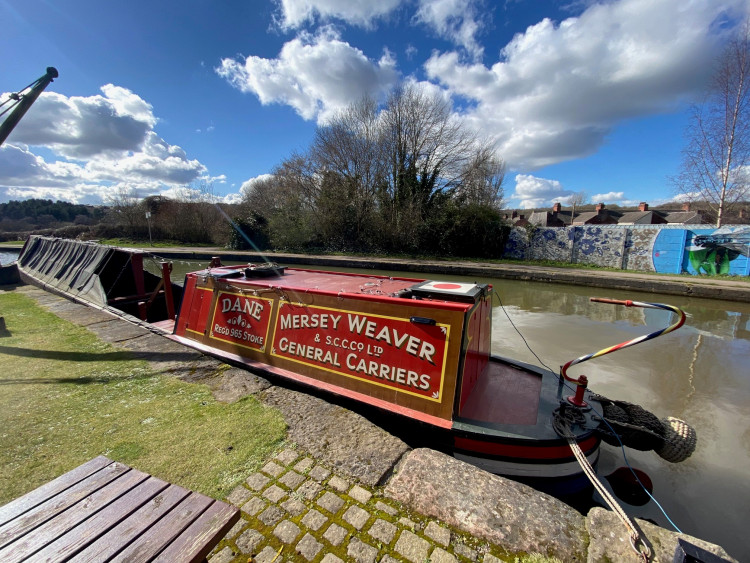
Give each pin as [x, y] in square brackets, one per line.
[704, 251]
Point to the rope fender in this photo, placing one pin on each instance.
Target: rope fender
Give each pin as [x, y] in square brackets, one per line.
[637, 428]
[674, 440]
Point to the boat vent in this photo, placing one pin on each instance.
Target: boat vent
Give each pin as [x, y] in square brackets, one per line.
[450, 291]
[267, 270]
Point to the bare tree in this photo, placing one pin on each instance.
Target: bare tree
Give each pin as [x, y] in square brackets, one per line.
[126, 210]
[428, 148]
[348, 153]
[576, 200]
[399, 176]
[717, 155]
[262, 196]
[482, 180]
[199, 220]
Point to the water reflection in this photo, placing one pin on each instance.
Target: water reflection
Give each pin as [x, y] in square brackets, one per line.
[698, 373]
[8, 256]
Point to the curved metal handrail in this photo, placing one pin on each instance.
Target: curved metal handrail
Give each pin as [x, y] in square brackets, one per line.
[634, 341]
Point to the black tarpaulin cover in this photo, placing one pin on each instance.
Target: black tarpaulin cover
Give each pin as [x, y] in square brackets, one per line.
[71, 266]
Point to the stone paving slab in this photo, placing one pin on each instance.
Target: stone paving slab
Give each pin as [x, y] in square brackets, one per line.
[608, 543]
[169, 357]
[82, 315]
[502, 511]
[114, 330]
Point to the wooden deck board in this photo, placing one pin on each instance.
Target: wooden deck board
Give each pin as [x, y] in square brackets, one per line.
[217, 520]
[40, 536]
[106, 511]
[128, 531]
[58, 503]
[102, 522]
[22, 504]
[166, 530]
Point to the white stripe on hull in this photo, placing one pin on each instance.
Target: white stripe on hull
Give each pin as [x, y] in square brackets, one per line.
[530, 470]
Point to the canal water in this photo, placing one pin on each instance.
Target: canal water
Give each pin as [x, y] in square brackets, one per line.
[8, 256]
[699, 373]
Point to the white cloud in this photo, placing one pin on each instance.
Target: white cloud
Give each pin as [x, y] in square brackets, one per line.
[609, 197]
[315, 74]
[99, 143]
[455, 20]
[558, 89]
[79, 127]
[620, 199]
[532, 191]
[232, 198]
[247, 185]
[295, 13]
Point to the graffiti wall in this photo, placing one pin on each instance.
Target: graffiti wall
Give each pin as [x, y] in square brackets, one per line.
[703, 251]
[665, 249]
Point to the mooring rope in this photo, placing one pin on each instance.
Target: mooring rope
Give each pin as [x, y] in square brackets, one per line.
[644, 552]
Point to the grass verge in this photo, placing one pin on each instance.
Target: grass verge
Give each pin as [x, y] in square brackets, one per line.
[135, 243]
[68, 397]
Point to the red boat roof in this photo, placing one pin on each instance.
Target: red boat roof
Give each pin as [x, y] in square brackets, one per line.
[338, 283]
[333, 282]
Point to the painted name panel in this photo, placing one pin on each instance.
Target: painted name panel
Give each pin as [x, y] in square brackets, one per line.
[241, 319]
[385, 351]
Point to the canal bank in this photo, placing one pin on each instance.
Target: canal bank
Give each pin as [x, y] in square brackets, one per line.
[728, 289]
[685, 285]
[350, 491]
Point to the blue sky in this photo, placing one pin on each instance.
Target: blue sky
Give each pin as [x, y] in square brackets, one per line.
[152, 97]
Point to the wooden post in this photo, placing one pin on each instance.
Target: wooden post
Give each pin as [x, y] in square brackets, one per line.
[166, 270]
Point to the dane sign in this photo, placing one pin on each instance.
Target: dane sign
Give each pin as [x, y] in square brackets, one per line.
[242, 320]
[386, 351]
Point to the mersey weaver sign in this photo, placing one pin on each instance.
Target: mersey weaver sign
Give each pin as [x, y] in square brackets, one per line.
[241, 319]
[386, 351]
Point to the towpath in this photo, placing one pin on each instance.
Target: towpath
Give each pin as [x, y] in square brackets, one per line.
[343, 489]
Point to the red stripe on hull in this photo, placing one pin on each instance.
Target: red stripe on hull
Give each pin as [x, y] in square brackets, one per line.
[540, 451]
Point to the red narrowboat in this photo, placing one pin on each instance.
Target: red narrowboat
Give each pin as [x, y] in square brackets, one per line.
[420, 349]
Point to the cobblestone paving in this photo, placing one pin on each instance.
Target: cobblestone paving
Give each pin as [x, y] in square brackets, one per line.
[296, 509]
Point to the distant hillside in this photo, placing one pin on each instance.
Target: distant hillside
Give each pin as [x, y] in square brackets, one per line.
[35, 214]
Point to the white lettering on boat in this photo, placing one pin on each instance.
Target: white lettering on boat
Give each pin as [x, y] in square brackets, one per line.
[385, 371]
[390, 335]
[309, 352]
[322, 321]
[254, 309]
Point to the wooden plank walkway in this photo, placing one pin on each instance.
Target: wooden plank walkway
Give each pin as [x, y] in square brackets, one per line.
[106, 511]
